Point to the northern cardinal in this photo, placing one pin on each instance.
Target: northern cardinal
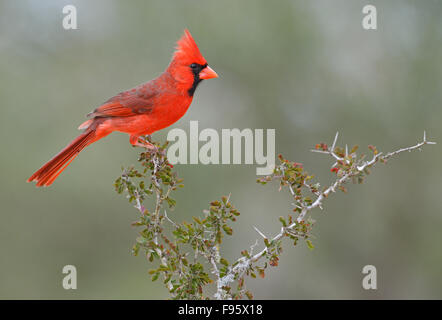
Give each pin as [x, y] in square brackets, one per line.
[142, 110]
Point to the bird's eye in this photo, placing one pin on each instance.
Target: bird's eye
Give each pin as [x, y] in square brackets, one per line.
[193, 65]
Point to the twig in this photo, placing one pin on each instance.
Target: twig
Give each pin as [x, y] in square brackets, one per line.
[243, 263]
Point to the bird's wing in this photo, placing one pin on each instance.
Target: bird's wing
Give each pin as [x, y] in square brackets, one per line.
[128, 103]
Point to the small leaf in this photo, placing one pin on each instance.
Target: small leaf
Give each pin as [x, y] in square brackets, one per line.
[224, 262]
[227, 229]
[266, 242]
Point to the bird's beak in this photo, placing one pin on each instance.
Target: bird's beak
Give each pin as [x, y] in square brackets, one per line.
[208, 73]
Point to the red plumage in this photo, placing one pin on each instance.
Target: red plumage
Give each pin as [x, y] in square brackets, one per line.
[142, 110]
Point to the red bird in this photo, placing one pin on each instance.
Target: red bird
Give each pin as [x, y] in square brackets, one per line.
[142, 110]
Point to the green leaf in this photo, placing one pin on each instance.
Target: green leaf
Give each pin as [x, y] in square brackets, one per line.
[171, 202]
[266, 242]
[167, 279]
[224, 262]
[136, 249]
[227, 230]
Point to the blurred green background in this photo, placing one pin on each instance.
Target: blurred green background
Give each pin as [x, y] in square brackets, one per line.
[306, 68]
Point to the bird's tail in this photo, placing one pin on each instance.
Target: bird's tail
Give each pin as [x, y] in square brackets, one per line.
[46, 175]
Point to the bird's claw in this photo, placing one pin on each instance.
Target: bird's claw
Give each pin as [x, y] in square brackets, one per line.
[140, 142]
[146, 145]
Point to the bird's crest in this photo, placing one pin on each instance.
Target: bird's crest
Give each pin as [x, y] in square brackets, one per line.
[187, 51]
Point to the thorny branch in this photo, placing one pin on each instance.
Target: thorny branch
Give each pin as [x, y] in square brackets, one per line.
[356, 169]
[203, 237]
[158, 159]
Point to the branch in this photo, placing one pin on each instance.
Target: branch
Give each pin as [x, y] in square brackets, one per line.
[203, 237]
[346, 167]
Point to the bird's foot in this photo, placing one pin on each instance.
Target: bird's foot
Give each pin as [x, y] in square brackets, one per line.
[149, 146]
[139, 142]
